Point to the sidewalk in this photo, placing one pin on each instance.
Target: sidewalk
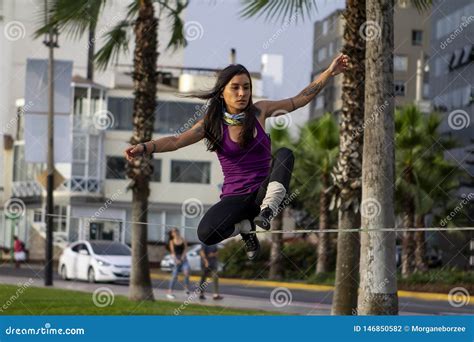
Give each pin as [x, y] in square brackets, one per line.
[164, 276]
[428, 296]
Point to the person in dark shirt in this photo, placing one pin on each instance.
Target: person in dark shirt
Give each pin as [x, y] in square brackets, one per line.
[209, 267]
[177, 246]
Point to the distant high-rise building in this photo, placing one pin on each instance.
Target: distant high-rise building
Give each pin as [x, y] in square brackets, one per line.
[412, 35]
[452, 77]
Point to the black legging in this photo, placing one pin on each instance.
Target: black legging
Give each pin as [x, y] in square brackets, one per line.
[219, 221]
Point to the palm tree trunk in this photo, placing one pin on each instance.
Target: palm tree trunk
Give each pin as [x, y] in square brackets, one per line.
[408, 246]
[347, 266]
[378, 282]
[322, 265]
[276, 271]
[349, 167]
[420, 245]
[91, 52]
[145, 86]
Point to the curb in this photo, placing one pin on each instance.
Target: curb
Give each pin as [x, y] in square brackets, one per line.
[428, 296]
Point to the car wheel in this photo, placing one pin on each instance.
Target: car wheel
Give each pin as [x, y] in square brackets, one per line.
[91, 276]
[64, 273]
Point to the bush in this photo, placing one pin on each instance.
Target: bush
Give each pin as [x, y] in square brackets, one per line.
[298, 261]
[237, 265]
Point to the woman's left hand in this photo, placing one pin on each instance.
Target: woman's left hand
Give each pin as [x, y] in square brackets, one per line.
[339, 64]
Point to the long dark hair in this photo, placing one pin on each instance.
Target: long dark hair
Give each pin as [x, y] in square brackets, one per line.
[214, 113]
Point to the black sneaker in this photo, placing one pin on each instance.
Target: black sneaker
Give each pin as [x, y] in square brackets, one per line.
[251, 244]
[263, 219]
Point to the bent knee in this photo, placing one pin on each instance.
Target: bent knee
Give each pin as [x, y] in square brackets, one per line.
[285, 153]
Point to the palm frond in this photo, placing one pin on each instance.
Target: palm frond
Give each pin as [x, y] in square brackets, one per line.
[117, 40]
[284, 10]
[73, 17]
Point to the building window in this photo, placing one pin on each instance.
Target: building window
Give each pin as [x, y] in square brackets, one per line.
[456, 58]
[399, 88]
[322, 53]
[400, 63]
[115, 168]
[426, 90]
[38, 216]
[156, 177]
[468, 54]
[331, 49]
[60, 220]
[416, 37]
[170, 116]
[320, 102]
[190, 172]
[325, 27]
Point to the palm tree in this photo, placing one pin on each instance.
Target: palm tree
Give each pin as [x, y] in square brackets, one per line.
[344, 295]
[140, 20]
[348, 170]
[75, 17]
[316, 153]
[279, 138]
[409, 142]
[419, 147]
[378, 286]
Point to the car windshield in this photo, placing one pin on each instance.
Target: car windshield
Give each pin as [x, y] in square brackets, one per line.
[112, 248]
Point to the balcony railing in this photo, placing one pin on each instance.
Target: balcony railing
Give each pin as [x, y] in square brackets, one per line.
[82, 184]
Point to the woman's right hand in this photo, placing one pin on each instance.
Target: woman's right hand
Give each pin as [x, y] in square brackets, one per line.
[133, 152]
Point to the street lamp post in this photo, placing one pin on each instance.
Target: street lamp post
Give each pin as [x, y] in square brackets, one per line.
[51, 41]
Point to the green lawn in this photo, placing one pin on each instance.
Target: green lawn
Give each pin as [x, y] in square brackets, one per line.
[41, 301]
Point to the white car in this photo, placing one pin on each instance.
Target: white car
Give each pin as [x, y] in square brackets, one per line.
[194, 260]
[95, 261]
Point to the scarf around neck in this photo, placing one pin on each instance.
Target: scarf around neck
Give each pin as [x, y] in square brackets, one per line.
[234, 119]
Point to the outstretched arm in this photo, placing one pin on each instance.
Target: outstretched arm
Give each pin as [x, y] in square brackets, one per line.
[276, 108]
[168, 144]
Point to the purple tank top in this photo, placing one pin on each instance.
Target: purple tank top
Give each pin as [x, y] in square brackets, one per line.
[244, 168]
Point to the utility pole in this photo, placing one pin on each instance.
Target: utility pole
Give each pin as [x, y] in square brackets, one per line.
[51, 41]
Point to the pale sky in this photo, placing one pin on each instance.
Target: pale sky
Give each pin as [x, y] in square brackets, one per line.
[223, 29]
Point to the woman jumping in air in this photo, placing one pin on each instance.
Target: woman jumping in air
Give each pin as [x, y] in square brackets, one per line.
[233, 127]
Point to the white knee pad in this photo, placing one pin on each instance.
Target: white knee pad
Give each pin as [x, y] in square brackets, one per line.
[275, 194]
